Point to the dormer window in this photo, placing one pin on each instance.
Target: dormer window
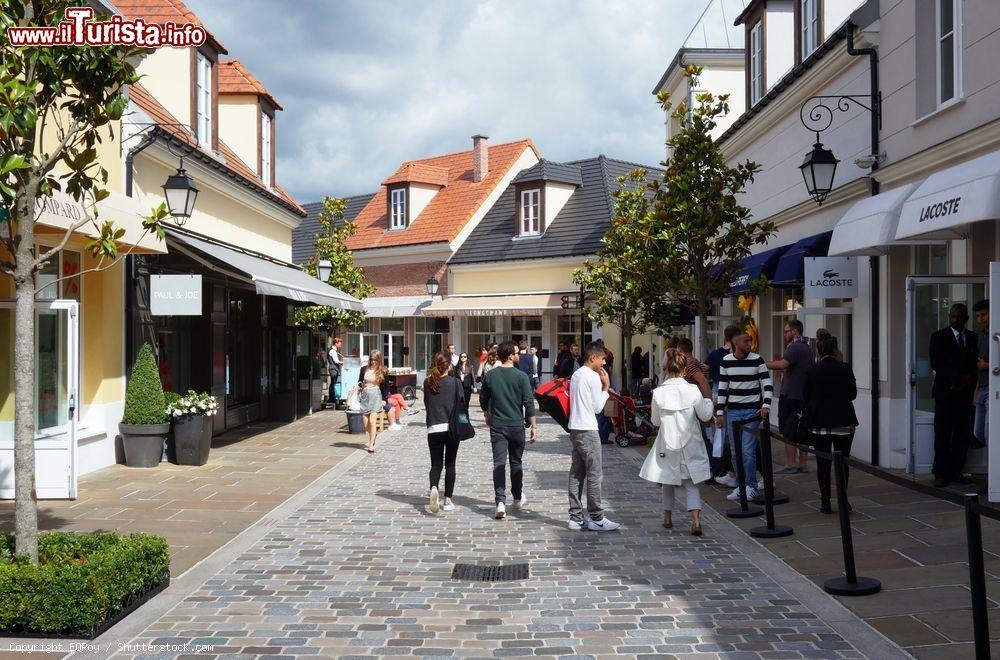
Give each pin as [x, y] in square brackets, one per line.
[397, 208]
[809, 25]
[203, 100]
[756, 53]
[531, 212]
[266, 128]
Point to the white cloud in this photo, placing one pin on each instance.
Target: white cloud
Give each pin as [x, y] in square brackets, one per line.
[368, 84]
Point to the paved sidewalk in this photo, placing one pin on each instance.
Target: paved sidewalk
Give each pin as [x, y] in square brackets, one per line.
[360, 568]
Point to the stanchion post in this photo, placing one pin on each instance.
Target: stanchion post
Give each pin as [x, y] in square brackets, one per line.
[768, 530]
[744, 510]
[977, 577]
[776, 497]
[850, 584]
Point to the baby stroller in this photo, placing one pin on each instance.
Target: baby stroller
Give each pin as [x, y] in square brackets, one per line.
[631, 419]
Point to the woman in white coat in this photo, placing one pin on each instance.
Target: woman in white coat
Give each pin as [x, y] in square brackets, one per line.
[679, 457]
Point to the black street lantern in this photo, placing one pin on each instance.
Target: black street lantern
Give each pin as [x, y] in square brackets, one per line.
[432, 286]
[818, 169]
[181, 193]
[323, 269]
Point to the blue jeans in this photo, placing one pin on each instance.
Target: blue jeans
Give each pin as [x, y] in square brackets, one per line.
[749, 439]
[982, 427]
[604, 427]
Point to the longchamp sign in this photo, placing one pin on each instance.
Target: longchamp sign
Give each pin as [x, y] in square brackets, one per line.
[175, 295]
[831, 277]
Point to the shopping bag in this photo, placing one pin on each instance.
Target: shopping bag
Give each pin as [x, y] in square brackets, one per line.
[353, 399]
[553, 398]
[717, 439]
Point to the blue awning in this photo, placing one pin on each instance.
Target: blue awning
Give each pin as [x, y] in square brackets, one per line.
[752, 268]
[790, 271]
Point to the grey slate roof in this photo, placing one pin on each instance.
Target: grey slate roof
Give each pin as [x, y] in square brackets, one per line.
[576, 231]
[546, 170]
[304, 236]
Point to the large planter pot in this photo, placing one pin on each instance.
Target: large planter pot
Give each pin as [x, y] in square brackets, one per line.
[192, 439]
[355, 422]
[143, 443]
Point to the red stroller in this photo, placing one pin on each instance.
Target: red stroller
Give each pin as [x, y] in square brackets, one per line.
[632, 420]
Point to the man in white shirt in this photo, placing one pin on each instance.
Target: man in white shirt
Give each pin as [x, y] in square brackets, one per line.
[588, 392]
[452, 355]
[335, 365]
[534, 365]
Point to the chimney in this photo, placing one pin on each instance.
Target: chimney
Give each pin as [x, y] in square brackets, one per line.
[480, 158]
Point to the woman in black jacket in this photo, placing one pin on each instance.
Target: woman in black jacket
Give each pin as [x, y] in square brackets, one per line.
[830, 389]
[463, 372]
[442, 394]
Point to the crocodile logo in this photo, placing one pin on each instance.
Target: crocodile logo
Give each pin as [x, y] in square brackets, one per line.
[827, 274]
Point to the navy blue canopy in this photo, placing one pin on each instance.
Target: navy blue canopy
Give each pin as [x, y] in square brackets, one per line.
[790, 271]
[752, 268]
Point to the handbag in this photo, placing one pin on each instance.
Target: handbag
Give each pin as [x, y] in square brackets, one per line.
[459, 426]
[353, 399]
[796, 429]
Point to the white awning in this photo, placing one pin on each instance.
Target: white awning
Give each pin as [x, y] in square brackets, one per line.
[391, 306]
[61, 211]
[534, 304]
[869, 227]
[272, 278]
[952, 198]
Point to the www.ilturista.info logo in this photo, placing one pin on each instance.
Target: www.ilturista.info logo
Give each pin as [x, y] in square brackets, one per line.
[79, 29]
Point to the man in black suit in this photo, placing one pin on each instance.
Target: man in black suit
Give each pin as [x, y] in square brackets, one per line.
[953, 353]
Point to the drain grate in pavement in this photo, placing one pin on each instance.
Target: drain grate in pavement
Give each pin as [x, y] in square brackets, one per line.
[478, 573]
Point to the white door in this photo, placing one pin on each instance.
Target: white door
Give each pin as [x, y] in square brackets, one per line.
[56, 399]
[994, 407]
[392, 349]
[928, 300]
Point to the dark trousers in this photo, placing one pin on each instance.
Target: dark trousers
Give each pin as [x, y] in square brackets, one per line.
[829, 443]
[604, 427]
[444, 451]
[508, 442]
[953, 415]
[332, 396]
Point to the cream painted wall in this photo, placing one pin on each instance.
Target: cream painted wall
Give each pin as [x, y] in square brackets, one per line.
[102, 312]
[420, 195]
[835, 13]
[779, 40]
[217, 215]
[238, 119]
[166, 74]
[513, 280]
[556, 196]
[719, 80]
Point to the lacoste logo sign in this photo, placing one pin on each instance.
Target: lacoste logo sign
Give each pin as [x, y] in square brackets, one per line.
[830, 273]
[940, 210]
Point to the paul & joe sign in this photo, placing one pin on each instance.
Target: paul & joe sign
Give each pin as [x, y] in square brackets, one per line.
[175, 295]
[831, 277]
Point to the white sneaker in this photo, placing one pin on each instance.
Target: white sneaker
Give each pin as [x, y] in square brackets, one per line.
[435, 507]
[575, 525]
[735, 495]
[726, 480]
[412, 411]
[751, 494]
[447, 506]
[501, 511]
[521, 503]
[394, 427]
[602, 525]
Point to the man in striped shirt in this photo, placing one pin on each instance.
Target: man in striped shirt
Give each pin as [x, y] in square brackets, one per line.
[744, 396]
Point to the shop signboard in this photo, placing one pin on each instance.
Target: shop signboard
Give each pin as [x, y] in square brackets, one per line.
[831, 277]
[175, 295]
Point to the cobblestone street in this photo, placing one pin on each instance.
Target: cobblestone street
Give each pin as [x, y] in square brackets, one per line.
[363, 570]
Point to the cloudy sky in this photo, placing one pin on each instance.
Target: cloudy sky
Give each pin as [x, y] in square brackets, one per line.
[367, 84]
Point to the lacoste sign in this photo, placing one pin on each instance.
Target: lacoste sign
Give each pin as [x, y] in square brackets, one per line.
[831, 277]
[940, 210]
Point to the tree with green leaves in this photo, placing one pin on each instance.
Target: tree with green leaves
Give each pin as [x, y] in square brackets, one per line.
[331, 245]
[699, 232]
[56, 105]
[621, 282]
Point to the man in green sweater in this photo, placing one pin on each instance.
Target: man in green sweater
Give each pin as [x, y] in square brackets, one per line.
[507, 400]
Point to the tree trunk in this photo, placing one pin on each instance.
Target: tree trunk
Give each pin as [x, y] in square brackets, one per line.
[26, 499]
[703, 304]
[627, 358]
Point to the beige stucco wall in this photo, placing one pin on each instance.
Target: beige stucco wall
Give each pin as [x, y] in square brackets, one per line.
[779, 34]
[238, 119]
[420, 195]
[514, 280]
[166, 74]
[556, 196]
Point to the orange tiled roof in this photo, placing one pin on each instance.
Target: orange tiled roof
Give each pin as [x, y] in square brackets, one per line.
[235, 79]
[417, 172]
[449, 210]
[163, 11]
[169, 123]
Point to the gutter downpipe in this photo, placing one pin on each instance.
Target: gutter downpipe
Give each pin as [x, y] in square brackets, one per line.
[876, 124]
[132, 265]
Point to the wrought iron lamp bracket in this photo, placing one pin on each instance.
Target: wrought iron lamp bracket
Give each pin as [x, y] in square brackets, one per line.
[821, 110]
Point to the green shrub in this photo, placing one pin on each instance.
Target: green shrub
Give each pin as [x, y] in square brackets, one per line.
[144, 395]
[170, 398]
[80, 582]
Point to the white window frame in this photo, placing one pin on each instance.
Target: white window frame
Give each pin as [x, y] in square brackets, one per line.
[203, 100]
[531, 211]
[265, 149]
[397, 209]
[956, 44]
[756, 68]
[809, 11]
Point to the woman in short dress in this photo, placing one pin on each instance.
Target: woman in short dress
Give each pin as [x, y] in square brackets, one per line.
[372, 398]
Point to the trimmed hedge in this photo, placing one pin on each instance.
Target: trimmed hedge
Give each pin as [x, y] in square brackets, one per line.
[82, 580]
[144, 393]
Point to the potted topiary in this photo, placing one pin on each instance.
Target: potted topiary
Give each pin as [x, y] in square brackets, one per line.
[191, 415]
[144, 425]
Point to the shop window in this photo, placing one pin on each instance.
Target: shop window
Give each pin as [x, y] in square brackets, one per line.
[784, 307]
[243, 333]
[60, 277]
[361, 340]
[483, 331]
[568, 330]
[391, 324]
[429, 341]
[930, 259]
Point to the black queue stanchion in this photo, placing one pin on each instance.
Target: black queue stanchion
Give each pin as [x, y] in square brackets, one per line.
[744, 510]
[977, 577]
[850, 584]
[769, 530]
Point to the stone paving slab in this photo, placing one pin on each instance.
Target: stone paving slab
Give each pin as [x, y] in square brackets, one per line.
[360, 568]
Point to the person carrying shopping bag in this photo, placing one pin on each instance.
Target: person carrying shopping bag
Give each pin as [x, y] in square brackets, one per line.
[678, 456]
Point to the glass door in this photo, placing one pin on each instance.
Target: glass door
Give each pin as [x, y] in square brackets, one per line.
[928, 300]
[56, 394]
[392, 349]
